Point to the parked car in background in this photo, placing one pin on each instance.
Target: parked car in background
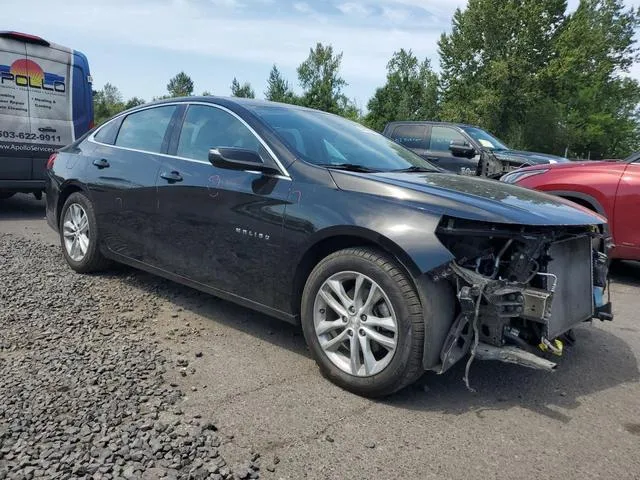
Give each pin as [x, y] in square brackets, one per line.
[609, 187]
[45, 103]
[463, 149]
[391, 266]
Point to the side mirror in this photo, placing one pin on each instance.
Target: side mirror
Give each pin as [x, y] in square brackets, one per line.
[239, 159]
[461, 149]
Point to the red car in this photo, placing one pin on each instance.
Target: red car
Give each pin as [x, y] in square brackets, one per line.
[610, 187]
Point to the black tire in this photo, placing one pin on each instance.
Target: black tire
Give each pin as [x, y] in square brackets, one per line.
[5, 194]
[406, 364]
[93, 260]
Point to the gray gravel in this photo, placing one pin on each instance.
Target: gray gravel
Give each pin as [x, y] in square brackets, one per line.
[82, 393]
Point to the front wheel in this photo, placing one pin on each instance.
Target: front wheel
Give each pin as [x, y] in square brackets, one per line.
[362, 320]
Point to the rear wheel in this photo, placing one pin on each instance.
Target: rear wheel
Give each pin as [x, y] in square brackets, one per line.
[4, 194]
[362, 320]
[79, 235]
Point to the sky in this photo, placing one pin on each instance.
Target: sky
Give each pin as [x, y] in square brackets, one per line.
[138, 45]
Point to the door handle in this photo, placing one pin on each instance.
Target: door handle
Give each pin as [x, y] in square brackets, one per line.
[433, 159]
[101, 163]
[171, 177]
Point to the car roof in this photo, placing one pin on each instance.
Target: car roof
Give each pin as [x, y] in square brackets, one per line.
[430, 122]
[243, 102]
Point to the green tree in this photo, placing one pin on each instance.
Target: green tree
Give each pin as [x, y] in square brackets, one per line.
[180, 86]
[598, 106]
[492, 64]
[411, 92]
[319, 76]
[107, 102]
[133, 102]
[243, 91]
[278, 89]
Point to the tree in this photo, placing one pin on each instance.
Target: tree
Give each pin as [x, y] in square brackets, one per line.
[107, 103]
[180, 86]
[133, 102]
[598, 108]
[411, 92]
[243, 91]
[320, 80]
[207, 93]
[492, 64]
[278, 89]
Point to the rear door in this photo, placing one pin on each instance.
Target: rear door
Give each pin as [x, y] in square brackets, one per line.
[122, 171]
[15, 127]
[51, 92]
[626, 218]
[438, 150]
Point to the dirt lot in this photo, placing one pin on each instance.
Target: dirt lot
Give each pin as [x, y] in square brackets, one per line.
[90, 365]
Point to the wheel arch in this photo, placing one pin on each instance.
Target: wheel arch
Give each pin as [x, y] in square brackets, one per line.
[334, 239]
[65, 192]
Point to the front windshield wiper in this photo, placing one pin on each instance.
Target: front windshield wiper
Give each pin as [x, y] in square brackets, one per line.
[415, 168]
[352, 167]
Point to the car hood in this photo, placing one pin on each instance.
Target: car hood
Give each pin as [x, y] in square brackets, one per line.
[592, 165]
[471, 198]
[531, 158]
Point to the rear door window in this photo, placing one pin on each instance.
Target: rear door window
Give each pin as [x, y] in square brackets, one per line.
[441, 138]
[145, 130]
[411, 136]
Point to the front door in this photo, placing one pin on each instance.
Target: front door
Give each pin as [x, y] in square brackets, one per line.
[626, 217]
[219, 227]
[438, 149]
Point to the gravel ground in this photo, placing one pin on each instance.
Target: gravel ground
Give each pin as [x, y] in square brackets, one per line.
[252, 376]
[83, 393]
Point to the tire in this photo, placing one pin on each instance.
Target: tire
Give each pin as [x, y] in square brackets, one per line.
[4, 194]
[399, 303]
[91, 260]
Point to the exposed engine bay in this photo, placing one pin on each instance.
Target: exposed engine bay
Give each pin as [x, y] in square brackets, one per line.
[520, 290]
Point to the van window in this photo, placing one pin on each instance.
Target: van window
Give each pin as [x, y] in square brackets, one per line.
[206, 127]
[145, 130]
[411, 136]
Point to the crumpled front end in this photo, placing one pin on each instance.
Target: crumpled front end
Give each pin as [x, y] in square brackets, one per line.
[520, 289]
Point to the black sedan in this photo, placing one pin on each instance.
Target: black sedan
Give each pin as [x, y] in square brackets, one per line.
[392, 266]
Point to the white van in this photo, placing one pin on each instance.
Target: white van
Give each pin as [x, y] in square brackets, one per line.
[45, 104]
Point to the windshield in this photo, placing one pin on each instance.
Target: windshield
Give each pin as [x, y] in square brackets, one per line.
[324, 139]
[485, 139]
[634, 157]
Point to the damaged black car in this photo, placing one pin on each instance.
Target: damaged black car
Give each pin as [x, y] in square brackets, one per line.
[391, 265]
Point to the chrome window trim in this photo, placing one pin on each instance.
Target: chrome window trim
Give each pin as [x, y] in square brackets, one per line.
[285, 174]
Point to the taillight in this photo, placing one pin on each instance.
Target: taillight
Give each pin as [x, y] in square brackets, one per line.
[91, 125]
[51, 161]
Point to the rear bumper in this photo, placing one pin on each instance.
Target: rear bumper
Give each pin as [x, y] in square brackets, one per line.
[22, 185]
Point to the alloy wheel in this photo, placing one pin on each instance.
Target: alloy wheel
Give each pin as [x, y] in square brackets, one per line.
[355, 324]
[75, 230]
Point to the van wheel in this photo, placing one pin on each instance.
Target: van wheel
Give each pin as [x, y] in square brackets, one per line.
[79, 235]
[4, 194]
[362, 320]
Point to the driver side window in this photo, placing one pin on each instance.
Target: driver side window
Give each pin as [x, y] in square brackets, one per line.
[441, 138]
[208, 127]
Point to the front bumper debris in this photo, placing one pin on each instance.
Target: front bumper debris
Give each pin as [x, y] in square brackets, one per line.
[520, 297]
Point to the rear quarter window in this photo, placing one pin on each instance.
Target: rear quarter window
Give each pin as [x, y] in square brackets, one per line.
[107, 133]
